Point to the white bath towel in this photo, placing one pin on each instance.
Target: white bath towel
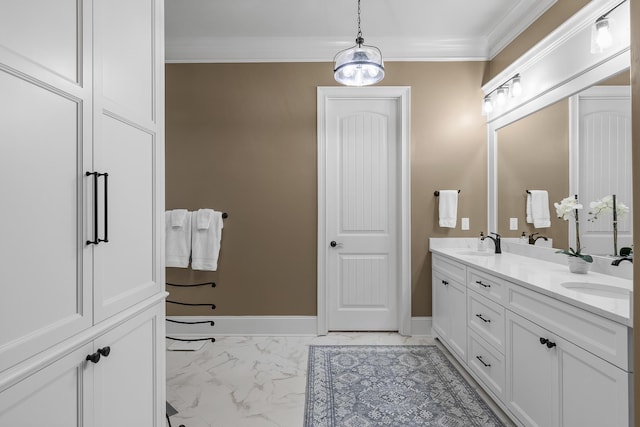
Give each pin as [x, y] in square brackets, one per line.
[448, 208]
[205, 242]
[538, 208]
[177, 240]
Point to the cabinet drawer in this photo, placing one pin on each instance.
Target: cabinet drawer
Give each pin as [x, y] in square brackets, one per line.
[487, 364]
[486, 318]
[602, 337]
[486, 285]
[451, 269]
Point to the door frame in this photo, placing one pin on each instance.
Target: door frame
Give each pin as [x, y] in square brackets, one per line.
[403, 95]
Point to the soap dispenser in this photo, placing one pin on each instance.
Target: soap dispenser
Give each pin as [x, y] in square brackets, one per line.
[523, 239]
[482, 245]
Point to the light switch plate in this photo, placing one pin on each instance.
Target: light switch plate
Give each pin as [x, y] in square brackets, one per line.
[465, 223]
[513, 223]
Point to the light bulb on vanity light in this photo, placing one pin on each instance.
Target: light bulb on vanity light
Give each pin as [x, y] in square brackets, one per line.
[501, 96]
[516, 87]
[487, 105]
[603, 33]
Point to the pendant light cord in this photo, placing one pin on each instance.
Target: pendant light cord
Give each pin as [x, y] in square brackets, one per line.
[359, 39]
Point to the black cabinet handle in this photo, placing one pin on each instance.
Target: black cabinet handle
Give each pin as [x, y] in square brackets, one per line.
[444, 282]
[549, 343]
[97, 240]
[486, 365]
[333, 244]
[94, 358]
[479, 316]
[482, 284]
[105, 351]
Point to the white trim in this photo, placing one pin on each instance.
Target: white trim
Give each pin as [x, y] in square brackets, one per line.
[511, 26]
[403, 94]
[421, 326]
[262, 326]
[556, 68]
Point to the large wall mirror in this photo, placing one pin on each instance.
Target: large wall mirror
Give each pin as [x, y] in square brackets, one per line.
[570, 134]
[578, 145]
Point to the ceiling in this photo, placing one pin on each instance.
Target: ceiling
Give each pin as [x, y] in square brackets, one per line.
[315, 30]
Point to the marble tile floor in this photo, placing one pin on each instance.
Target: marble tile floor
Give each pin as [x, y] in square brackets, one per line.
[259, 381]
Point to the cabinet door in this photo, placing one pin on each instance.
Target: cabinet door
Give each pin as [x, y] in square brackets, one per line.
[129, 146]
[450, 313]
[56, 396]
[592, 392]
[532, 381]
[45, 146]
[129, 383]
[440, 311]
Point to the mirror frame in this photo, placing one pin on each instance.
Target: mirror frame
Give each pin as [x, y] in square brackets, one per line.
[558, 67]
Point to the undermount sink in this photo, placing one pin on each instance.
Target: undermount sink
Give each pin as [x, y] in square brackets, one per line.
[598, 289]
[476, 253]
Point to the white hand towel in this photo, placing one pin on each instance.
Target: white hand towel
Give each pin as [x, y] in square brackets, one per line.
[177, 241]
[529, 217]
[205, 242]
[177, 217]
[203, 218]
[540, 208]
[448, 208]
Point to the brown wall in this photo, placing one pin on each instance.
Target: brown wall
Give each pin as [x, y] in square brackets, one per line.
[241, 138]
[533, 153]
[548, 22]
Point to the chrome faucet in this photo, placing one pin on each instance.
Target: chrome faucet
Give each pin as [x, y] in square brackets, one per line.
[617, 262]
[496, 242]
[532, 240]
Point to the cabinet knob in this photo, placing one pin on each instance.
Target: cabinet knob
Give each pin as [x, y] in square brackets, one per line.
[547, 342]
[105, 351]
[94, 358]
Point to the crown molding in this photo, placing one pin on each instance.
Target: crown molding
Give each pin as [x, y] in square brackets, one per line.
[288, 49]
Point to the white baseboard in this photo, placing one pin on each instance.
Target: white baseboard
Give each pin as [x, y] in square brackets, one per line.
[261, 326]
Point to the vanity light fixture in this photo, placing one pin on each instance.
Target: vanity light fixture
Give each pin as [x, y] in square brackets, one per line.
[499, 97]
[601, 37]
[359, 65]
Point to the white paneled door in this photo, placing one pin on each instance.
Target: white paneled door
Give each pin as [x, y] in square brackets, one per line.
[362, 214]
[602, 141]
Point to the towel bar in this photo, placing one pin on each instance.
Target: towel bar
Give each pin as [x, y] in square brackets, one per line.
[213, 285]
[437, 193]
[213, 306]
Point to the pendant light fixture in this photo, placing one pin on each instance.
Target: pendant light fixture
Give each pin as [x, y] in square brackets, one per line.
[360, 65]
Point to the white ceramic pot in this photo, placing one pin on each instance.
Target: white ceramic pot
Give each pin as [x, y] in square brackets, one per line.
[578, 265]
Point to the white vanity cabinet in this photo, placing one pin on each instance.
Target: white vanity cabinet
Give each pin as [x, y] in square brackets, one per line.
[545, 362]
[82, 253]
[450, 304]
[553, 382]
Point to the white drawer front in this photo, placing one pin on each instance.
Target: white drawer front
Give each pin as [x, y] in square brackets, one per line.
[486, 318]
[602, 337]
[451, 269]
[486, 285]
[488, 364]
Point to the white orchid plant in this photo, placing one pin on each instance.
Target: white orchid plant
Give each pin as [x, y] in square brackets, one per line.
[567, 208]
[605, 205]
[609, 204]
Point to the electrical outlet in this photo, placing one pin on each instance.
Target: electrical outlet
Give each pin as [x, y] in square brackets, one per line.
[513, 223]
[465, 223]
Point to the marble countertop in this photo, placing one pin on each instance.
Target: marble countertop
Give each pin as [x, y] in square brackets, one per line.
[547, 277]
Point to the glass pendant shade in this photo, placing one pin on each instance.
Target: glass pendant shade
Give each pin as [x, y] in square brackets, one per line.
[360, 65]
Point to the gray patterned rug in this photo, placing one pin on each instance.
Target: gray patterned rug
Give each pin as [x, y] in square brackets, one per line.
[363, 386]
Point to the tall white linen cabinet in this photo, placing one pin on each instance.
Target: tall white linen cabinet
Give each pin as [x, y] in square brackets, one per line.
[81, 213]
